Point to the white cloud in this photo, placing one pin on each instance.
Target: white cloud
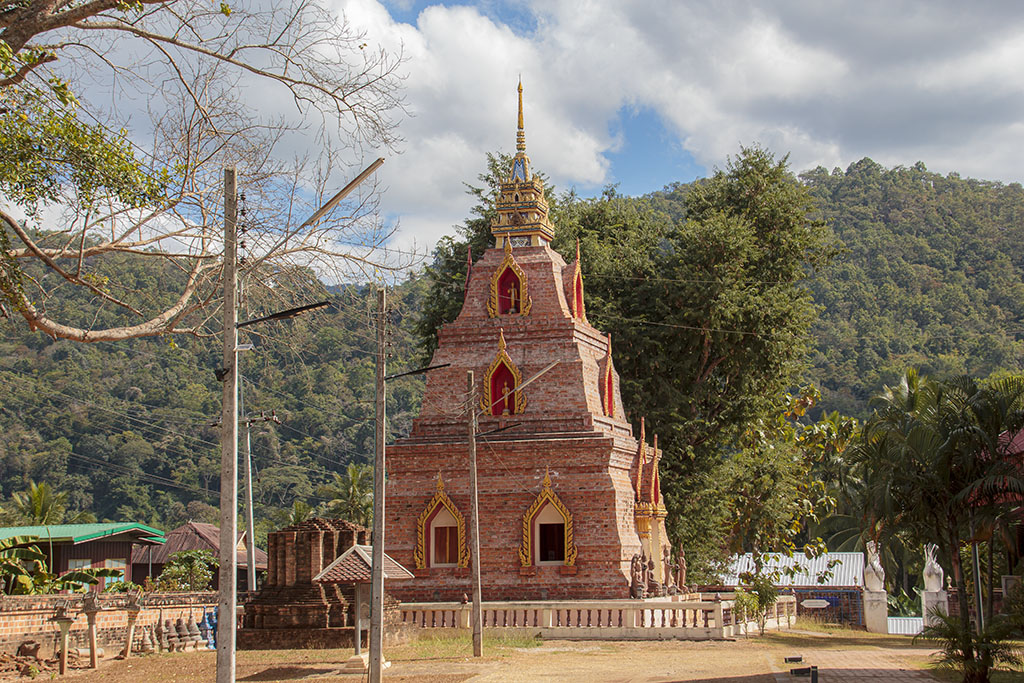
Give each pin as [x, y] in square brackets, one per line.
[827, 83]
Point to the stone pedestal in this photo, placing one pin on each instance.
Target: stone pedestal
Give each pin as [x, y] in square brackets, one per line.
[932, 601]
[876, 611]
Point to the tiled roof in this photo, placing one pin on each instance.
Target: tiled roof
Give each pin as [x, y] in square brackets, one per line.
[81, 533]
[354, 566]
[193, 536]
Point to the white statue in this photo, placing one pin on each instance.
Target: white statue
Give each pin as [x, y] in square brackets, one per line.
[874, 575]
[932, 569]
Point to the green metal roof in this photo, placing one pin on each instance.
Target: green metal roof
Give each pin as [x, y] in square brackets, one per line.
[80, 533]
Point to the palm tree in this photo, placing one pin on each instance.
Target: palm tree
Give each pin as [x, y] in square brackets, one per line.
[299, 512]
[351, 496]
[42, 505]
[935, 470]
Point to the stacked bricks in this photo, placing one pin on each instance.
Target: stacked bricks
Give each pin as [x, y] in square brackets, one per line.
[289, 598]
[592, 457]
[26, 617]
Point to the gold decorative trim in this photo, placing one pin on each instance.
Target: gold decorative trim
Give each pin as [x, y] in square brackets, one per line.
[547, 495]
[608, 383]
[487, 400]
[641, 455]
[525, 302]
[419, 554]
[579, 313]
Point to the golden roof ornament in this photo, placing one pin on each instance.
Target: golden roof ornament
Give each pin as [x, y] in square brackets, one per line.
[522, 209]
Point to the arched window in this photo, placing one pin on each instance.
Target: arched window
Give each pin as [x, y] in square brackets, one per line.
[440, 533]
[508, 286]
[503, 385]
[501, 395]
[510, 292]
[547, 531]
[444, 539]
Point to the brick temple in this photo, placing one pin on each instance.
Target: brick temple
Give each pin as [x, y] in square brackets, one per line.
[568, 495]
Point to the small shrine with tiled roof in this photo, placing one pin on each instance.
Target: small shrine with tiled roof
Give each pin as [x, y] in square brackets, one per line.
[570, 500]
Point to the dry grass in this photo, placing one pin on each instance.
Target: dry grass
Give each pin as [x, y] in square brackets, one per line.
[444, 658]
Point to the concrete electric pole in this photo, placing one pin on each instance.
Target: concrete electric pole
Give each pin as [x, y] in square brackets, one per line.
[226, 615]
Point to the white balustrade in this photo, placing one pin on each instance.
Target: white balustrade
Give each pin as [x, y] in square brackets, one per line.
[604, 619]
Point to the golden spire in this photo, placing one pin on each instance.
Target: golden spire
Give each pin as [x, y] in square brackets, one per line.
[521, 133]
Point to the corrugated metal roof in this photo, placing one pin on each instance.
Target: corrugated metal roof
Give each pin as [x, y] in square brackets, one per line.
[194, 536]
[79, 533]
[847, 571]
[353, 566]
[905, 626]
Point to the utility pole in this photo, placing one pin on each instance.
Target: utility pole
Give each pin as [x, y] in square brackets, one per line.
[250, 543]
[377, 573]
[474, 526]
[226, 618]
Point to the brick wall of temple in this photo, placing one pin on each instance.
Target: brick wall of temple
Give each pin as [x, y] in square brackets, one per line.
[591, 457]
[24, 618]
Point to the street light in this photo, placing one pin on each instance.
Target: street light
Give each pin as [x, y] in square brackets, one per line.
[228, 373]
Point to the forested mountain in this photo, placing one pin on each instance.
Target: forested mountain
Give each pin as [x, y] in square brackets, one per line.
[928, 272]
[129, 429]
[931, 276]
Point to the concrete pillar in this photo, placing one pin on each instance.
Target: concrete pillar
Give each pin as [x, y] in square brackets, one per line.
[91, 617]
[932, 601]
[876, 611]
[64, 624]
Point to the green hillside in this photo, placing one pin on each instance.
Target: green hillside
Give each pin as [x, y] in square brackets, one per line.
[129, 429]
[929, 273]
[931, 276]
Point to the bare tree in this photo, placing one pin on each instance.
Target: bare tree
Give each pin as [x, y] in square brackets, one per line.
[192, 61]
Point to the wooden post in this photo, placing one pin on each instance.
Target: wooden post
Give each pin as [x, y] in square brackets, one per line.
[377, 573]
[474, 525]
[226, 621]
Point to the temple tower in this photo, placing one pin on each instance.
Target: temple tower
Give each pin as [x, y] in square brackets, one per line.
[567, 495]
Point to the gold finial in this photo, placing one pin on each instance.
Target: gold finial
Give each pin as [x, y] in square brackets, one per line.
[501, 340]
[547, 478]
[440, 484]
[521, 133]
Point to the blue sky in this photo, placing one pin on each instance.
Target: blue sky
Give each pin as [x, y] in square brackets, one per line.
[641, 94]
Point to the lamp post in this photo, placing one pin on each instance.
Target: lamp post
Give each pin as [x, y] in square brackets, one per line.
[228, 373]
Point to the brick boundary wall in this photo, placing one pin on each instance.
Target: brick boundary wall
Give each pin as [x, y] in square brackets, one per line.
[25, 617]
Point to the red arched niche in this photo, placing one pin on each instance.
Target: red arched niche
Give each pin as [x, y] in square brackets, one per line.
[577, 293]
[503, 381]
[510, 292]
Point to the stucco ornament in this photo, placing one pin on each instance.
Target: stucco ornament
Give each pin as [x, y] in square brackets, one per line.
[874, 575]
[932, 570]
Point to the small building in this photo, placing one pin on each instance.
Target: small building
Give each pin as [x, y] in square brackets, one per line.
[836, 578]
[81, 546]
[149, 562]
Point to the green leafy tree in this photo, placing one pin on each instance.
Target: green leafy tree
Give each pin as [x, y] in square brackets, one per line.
[188, 570]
